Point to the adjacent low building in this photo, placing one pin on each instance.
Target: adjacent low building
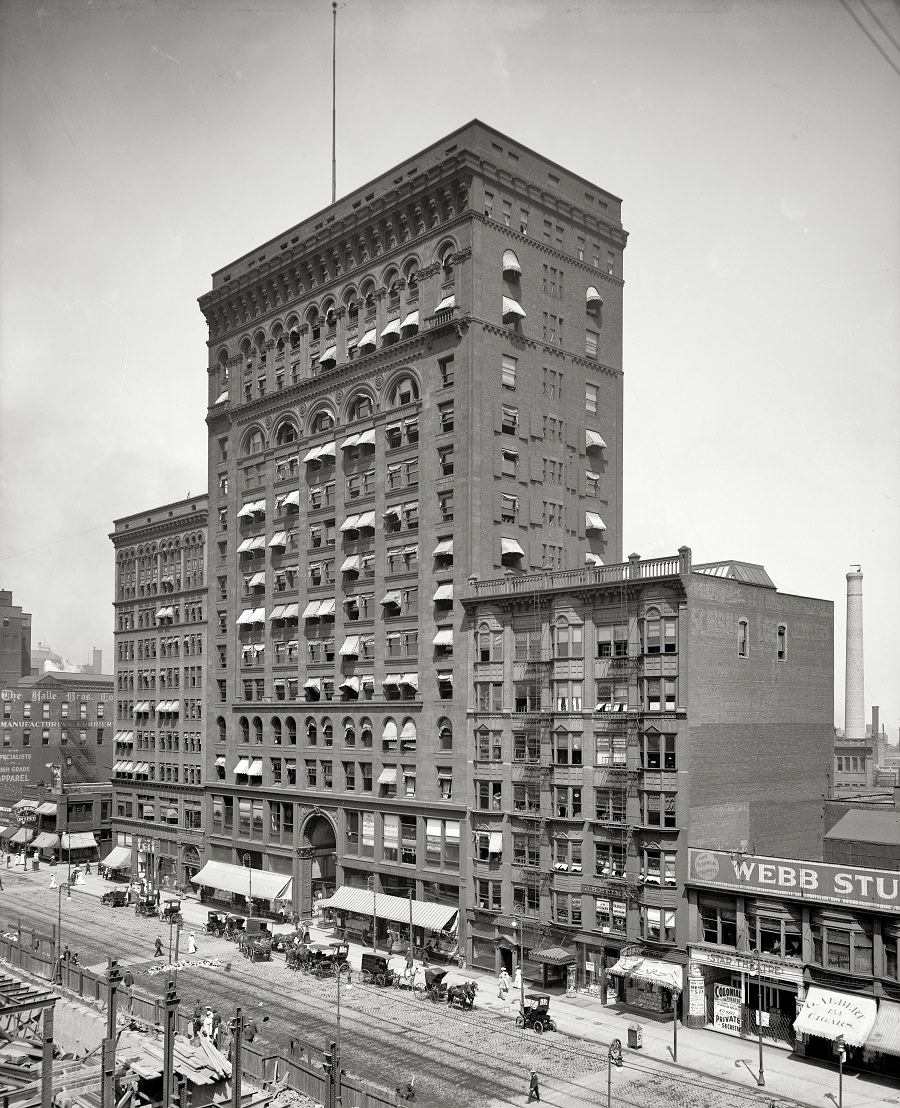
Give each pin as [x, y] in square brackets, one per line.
[64, 823]
[799, 952]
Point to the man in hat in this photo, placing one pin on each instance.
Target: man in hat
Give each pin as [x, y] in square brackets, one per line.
[534, 1092]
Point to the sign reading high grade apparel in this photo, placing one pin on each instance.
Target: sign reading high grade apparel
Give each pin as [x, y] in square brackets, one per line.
[819, 882]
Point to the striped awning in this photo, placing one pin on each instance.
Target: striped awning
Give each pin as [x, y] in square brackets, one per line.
[46, 840]
[118, 858]
[48, 808]
[885, 1035]
[240, 879]
[431, 917]
[78, 840]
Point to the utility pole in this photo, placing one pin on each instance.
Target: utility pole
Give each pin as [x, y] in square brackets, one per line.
[169, 1045]
[108, 1084]
[237, 1037]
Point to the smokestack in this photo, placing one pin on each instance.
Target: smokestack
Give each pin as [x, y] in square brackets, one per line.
[854, 696]
[97, 661]
[876, 723]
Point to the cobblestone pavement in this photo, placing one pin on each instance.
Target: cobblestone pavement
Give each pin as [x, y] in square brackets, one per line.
[475, 1059]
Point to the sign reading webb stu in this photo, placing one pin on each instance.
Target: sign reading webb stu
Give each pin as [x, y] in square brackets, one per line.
[818, 882]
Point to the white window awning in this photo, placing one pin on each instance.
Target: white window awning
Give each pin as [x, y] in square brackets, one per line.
[593, 522]
[511, 263]
[389, 733]
[328, 450]
[443, 592]
[368, 339]
[495, 842]
[330, 355]
[408, 732]
[312, 683]
[391, 598]
[312, 454]
[220, 761]
[311, 611]
[443, 548]
[367, 438]
[327, 607]
[278, 539]
[246, 545]
[592, 296]
[258, 580]
[246, 510]
[258, 616]
[350, 648]
[393, 512]
[390, 680]
[829, 1013]
[447, 303]
[351, 564]
[444, 637]
[258, 542]
[221, 398]
[388, 776]
[293, 498]
[242, 766]
[592, 559]
[366, 519]
[351, 683]
[510, 546]
[245, 617]
[352, 440]
[277, 612]
[255, 768]
[412, 320]
[411, 679]
[351, 523]
[512, 307]
[594, 441]
[291, 611]
[445, 677]
[393, 328]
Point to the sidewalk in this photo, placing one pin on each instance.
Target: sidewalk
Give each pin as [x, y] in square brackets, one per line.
[788, 1078]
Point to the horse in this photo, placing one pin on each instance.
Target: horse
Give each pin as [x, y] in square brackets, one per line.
[463, 995]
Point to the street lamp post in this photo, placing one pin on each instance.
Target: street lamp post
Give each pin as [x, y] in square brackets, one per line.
[760, 1080]
[65, 885]
[842, 1054]
[245, 859]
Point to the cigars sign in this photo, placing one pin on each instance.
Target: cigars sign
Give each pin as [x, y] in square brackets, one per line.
[817, 882]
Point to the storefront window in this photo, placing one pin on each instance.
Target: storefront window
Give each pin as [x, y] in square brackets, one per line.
[844, 948]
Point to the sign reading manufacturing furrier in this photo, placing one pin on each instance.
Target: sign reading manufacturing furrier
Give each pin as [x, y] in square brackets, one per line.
[816, 882]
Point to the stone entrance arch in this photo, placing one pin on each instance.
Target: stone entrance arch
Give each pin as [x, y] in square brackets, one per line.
[317, 854]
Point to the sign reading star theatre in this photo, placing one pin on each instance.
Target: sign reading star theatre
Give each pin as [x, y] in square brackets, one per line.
[817, 882]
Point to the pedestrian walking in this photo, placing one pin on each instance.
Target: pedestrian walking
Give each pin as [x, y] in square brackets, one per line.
[534, 1092]
[192, 944]
[66, 955]
[1, 884]
[157, 898]
[517, 980]
[87, 868]
[53, 881]
[504, 987]
[128, 983]
[158, 950]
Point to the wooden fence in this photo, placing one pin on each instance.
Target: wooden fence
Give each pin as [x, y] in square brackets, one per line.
[300, 1072]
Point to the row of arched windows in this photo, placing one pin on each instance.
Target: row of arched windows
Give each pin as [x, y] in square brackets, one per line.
[320, 731]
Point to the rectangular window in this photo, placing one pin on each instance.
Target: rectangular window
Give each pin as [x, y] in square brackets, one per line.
[591, 345]
[489, 895]
[591, 395]
[509, 466]
[509, 372]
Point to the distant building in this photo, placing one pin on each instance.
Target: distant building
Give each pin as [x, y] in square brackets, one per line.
[15, 641]
[864, 832]
[615, 716]
[58, 719]
[160, 678]
[44, 659]
[66, 822]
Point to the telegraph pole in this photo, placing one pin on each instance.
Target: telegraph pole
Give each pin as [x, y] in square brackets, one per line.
[108, 1086]
[237, 1037]
[169, 1045]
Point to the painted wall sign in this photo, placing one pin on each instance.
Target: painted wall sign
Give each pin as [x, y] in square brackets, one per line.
[696, 996]
[744, 963]
[819, 882]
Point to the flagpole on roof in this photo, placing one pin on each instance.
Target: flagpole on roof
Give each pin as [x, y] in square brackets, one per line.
[333, 100]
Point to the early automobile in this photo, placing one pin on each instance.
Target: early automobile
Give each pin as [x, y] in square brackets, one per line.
[536, 1013]
[374, 970]
[115, 898]
[170, 911]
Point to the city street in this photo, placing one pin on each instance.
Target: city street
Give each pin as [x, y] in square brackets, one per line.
[388, 1035]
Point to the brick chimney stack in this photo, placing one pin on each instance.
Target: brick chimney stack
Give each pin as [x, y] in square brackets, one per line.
[854, 694]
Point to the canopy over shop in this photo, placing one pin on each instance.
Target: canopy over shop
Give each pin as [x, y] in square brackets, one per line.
[648, 982]
[222, 881]
[118, 859]
[433, 925]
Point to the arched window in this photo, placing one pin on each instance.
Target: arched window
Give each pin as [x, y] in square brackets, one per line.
[291, 726]
[312, 731]
[390, 736]
[360, 407]
[276, 730]
[368, 296]
[408, 735]
[743, 638]
[445, 734]
[221, 730]
[244, 725]
[394, 293]
[323, 420]
[285, 434]
[254, 443]
[411, 274]
[327, 732]
[349, 731]
[293, 327]
[312, 319]
[781, 642]
[351, 303]
[365, 732]
[404, 391]
[445, 258]
[593, 304]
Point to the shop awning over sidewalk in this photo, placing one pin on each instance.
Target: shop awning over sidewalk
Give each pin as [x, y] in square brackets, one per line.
[118, 858]
[666, 974]
[21, 835]
[48, 808]
[79, 840]
[885, 1035]
[829, 1013]
[46, 840]
[258, 883]
[554, 956]
[396, 909]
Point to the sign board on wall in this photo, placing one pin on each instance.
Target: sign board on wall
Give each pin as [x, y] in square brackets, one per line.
[816, 882]
[727, 1009]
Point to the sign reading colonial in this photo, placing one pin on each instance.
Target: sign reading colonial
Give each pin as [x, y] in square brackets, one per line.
[727, 1009]
[819, 882]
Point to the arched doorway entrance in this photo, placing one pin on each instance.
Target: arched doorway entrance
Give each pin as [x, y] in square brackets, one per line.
[318, 858]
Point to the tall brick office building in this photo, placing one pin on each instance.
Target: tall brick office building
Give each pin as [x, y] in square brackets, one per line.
[420, 383]
[160, 689]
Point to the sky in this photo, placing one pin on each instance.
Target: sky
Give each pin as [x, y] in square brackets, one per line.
[146, 143]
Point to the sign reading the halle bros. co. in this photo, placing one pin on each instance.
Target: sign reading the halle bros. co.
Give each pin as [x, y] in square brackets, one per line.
[814, 881]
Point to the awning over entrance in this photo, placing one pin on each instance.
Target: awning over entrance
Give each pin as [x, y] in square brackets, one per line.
[885, 1035]
[48, 808]
[828, 1014]
[79, 840]
[432, 917]
[239, 879]
[554, 956]
[46, 840]
[22, 835]
[650, 969]
[118, 858]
